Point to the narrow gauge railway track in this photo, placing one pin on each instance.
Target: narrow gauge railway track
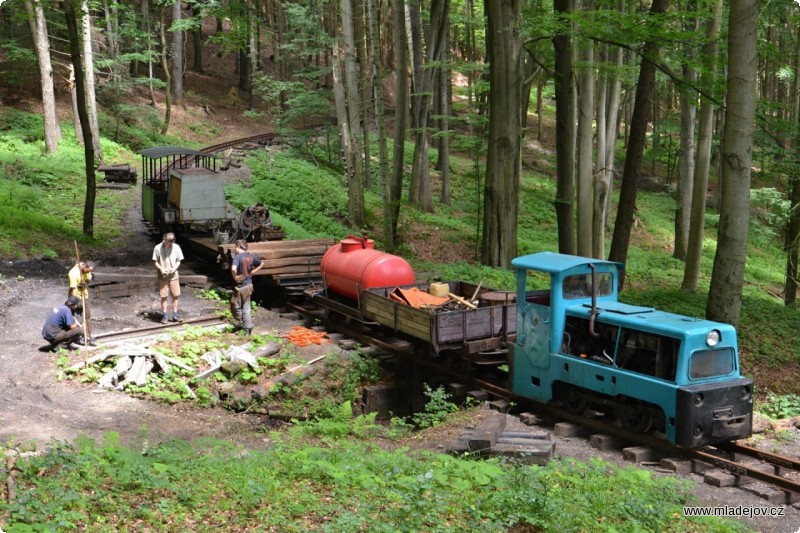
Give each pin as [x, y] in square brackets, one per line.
[185, 161]
[115, 336]
[732, 457]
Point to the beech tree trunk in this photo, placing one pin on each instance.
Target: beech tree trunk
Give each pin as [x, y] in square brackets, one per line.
[501, 191]
[89, 81]
[41, 42]
[393, 189]
[633, 156]
[177, 54]
[167, 73]
[727, 277]
[565, 133]
[197, 41]
[705, 131]
[686, 161]
[75, 46]
[792, 243]
[584, 144]
[377, 88]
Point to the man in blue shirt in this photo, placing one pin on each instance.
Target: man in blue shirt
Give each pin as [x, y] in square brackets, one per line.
[244, 266]
[61, 326]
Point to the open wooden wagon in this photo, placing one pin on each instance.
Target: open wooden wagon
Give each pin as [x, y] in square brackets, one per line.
[482, 334]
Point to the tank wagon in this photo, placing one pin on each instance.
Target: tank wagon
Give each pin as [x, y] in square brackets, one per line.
[372, 286]
[574, 343]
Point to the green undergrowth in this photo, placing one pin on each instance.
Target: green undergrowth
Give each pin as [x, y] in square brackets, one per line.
[297, 486]
[43, 195]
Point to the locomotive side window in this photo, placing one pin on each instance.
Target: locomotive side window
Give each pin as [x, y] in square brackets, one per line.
[578, 340]
[580, 285]
[711, 363]
[648, 353]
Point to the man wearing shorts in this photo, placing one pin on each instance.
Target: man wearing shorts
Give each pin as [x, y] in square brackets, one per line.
[167, 257]
[244, 266]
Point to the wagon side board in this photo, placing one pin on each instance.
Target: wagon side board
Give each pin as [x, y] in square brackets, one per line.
[472, 331]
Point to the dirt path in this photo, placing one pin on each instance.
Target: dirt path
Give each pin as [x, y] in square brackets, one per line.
[36, 406]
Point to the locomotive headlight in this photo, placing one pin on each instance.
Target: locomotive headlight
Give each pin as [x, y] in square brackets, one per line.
[713, 338]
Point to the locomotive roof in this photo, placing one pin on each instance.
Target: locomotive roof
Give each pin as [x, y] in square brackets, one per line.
[554, 263]
[663, 321]
[157, 152]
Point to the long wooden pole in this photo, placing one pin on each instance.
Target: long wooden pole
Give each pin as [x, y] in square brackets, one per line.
[83, 301]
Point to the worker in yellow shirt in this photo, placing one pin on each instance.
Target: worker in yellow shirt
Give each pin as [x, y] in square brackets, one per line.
[79, 277]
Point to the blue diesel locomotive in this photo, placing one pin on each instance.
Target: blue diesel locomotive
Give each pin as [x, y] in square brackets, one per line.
[577, 344]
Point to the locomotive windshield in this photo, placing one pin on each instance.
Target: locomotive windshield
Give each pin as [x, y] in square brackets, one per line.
[711, 363]
[580, 285]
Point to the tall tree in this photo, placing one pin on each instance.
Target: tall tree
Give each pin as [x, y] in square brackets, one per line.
[76, 53]
[393, 187]
[638, 135]
[705, 131]
[377, 98]
[422, 75]
[346, 94]
[584, 143]
[89, 80]
[686, 160]
[196, 12]
[792, 242]
[38, 25]
[501, 191]
[177, 53]
[727, 277]
[565, 128]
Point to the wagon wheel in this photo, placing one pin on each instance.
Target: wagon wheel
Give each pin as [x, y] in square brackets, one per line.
[460, 364]
[635, 418]
[574, 401]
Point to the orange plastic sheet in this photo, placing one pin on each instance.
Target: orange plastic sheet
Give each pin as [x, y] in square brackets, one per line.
[417, 298]
[300, 336]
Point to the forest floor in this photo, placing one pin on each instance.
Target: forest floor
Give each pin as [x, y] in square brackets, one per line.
[35, 406]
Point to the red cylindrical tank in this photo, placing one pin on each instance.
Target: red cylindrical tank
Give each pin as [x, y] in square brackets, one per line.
[353, 265]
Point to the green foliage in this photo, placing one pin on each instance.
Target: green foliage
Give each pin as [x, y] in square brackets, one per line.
[436, 409]
[298, 191]
[342, 424]
[321, 395]
[19, 62]
[771, 208]
[154, 487]
[780, 406]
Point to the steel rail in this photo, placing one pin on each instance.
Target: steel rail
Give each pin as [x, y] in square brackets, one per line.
[114, 336]
[740, 469]
[776, 460]
[708, 455]
[216, 148]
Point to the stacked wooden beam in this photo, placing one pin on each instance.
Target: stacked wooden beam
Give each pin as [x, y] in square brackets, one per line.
[490, 438]
[121, 284]
[285, 260]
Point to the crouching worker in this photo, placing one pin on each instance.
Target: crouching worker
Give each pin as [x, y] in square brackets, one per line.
[61, 326]
[244, 266]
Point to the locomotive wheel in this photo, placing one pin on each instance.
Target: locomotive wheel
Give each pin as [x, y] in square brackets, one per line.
[635, 418]
[573, 401]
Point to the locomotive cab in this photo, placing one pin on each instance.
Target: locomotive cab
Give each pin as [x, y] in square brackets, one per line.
[653, 370]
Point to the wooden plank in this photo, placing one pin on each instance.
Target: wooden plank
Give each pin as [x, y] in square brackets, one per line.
[303, 260]
[482, 322]
[290, 269]
[255, 247]
[99, 277]
[487, 433]
[400, 318]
